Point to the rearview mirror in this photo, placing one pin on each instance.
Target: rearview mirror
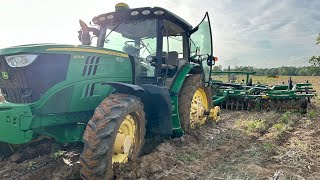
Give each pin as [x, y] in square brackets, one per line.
[84, 34]
[211, 60]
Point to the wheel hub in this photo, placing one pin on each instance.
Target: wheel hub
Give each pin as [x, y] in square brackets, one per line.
[124, 140]
[199, 105]
[214, 113]
[122, 144]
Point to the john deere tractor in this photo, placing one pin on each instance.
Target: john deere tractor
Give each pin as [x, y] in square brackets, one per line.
[138, 71]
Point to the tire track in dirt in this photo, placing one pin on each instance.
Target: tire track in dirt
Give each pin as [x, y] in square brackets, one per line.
[239, 149]
[191, 155]
[214, 151]
[299, 151]
[199, 153]
[290, 156]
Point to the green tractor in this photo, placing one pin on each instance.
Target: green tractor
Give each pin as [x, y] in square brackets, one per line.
[138, 72]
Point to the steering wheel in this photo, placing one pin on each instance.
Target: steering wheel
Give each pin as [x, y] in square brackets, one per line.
[127, 44]
[152, 58]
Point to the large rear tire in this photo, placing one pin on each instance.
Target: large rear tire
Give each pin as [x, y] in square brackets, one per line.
[115, 134]
[194, 100]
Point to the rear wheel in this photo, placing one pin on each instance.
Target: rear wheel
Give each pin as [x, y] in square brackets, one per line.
[115, 134]
[194, 102]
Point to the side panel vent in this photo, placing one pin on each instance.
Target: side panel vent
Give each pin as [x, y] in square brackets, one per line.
[91, 65]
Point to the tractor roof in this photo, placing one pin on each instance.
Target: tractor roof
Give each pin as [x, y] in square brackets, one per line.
[138, 14]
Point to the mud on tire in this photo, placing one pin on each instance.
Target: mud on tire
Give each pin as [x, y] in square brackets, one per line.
[189, 87]
[101, 132]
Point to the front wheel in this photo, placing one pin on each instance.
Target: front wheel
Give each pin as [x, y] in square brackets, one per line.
[115, 134]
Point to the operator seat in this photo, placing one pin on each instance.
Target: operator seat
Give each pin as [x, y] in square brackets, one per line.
[172, 61]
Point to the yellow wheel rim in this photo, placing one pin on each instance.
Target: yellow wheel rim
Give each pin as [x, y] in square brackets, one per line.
[199, 105]
[124, 140]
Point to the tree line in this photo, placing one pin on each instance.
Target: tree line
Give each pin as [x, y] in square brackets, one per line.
[283, 71]
[315, 60]
[312, 70]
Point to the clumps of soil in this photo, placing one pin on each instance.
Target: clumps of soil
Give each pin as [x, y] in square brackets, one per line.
[187, 157]
[43, 159]
[243, 145]
[31, 151]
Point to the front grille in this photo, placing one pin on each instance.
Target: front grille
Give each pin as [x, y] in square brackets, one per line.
[28, 84]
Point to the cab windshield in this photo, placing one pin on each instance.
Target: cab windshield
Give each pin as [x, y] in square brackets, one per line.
[136, 38]
[140, 38]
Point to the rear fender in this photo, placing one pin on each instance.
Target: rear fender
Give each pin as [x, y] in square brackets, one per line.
[126, 88]
[182, 74]
[157, 105]
[176, 85]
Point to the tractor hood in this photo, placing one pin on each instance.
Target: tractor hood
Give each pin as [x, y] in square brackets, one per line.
[28, 72]
[61, 48]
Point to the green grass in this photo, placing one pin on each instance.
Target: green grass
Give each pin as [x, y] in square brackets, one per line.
[284, 125]
[251, 126]
[188, 157]
[267, 147]
[312, 114]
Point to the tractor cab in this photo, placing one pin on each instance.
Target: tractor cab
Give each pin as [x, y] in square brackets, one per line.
[158, 41]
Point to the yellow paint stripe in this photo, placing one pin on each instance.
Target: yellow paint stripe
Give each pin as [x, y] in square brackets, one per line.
[90, 51]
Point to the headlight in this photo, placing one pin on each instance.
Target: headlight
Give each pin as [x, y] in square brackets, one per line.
[134, 13]
[146, 12]
[20, 60]
[158, 13]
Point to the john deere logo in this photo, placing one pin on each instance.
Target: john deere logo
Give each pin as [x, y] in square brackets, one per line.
[5, 75]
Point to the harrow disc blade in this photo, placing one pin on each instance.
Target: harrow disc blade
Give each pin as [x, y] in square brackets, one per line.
[260, 104]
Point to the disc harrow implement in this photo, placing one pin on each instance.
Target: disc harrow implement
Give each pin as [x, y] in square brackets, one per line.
[258, 97]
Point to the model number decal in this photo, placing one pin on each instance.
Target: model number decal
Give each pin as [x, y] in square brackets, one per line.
[78, 57]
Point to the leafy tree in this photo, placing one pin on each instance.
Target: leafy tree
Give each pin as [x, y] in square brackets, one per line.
[303, 72]
[217, 68]
[272, 71]
[283, 71]
[315, 60]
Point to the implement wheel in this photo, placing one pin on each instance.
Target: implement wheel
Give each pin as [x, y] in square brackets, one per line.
[115, 134]
[303, 105]
[194, 101]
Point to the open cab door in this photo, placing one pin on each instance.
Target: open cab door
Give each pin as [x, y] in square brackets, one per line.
[201, 46]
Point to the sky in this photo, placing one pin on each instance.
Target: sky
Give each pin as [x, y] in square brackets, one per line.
[264, 33]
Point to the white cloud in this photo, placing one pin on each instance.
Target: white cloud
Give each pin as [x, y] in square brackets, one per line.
[262, 33]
